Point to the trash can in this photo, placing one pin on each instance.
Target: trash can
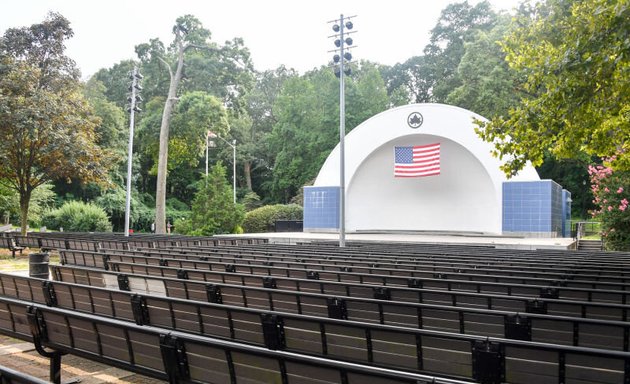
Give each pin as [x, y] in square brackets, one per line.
[38, 265]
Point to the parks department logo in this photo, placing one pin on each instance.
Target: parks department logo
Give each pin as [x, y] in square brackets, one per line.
[415, 120]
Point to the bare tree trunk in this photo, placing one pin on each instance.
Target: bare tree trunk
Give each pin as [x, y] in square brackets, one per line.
[248, 174]
[160, 193]
[25, 199]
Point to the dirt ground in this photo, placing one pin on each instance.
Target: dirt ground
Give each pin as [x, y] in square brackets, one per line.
[21, 355]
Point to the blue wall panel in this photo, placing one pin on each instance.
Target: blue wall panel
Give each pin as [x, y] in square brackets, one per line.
[533, 207]
[321, 208]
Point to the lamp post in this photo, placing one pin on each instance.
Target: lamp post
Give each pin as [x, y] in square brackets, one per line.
[342, 43]
[233, 145]
[133, 100]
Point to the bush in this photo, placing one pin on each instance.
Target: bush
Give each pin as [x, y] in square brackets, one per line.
[264, 218]
[612, 195]
[77, 216]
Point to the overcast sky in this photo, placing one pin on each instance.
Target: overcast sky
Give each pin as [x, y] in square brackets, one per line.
[290, 32]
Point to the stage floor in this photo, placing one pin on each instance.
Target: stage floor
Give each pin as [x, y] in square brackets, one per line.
[505, 242]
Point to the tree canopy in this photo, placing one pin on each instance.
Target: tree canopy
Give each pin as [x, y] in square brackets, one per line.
[573, 58]
[47, 126]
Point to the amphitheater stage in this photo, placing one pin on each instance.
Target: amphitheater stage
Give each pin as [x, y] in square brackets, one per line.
[497, 241]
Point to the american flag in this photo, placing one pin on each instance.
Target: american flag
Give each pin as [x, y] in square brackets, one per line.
[417, 161]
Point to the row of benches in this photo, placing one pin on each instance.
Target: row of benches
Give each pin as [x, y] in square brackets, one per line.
[298, 279]
[403, 348]
[176, 356]
[95, 241]
[289, 294]
[364, 306]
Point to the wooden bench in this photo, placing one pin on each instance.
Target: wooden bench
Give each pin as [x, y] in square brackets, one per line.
[179, 357]
[13, 247]
[235, 274]
[619, 281]
[600, 306]
[390, 347]
[617, 274]
[563, 330]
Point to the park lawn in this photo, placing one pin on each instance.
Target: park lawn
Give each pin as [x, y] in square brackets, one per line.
[20, 263]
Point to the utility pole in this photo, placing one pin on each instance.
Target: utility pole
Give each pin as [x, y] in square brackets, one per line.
[134, 99]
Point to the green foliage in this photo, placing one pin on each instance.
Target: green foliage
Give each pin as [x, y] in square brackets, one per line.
[196, 113]
[43, 199]
[573, 176]
[612, 195]
[77, 216]
[486, 84]
[307, 128]
[213, 210]
[459, 23]
[573, 59]
[263, 219]
[112, 132]
[251, 201]
[9, 204]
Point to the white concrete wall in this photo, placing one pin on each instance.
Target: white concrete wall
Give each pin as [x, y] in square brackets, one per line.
[466, 196]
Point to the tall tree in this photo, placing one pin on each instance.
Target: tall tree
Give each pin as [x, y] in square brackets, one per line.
[412, 80]
[46, 125]
[458, 23]
[253, 130]
[225, 72]
[574, 59]
[487, 86]
[160, 190]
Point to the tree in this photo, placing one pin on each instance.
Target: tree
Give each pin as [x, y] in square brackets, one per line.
[160, 192]
[412, 79]
[46, 125]
[224, 72]
[487, 86]
[458, 23]
[213, 211]
[574, 61]
[253, 129]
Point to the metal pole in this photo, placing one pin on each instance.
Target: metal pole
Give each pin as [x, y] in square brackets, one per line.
[342, 135]
[130, 150]
[234, 169]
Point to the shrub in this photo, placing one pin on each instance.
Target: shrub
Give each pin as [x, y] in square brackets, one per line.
[77, 216]
[612, 195]
[263, 219]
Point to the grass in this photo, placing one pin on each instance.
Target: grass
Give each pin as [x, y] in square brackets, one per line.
[20, 263]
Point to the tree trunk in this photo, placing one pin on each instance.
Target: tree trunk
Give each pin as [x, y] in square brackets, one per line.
[160, 190]
[248, 174]
[25, 199]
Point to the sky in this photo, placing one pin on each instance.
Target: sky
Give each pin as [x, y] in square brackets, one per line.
[290, 32]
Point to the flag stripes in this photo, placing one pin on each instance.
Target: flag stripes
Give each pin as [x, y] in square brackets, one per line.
[417, 161]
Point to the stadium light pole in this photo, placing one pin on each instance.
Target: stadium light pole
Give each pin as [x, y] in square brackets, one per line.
[342, 43]
[233, 145]
[134, 99]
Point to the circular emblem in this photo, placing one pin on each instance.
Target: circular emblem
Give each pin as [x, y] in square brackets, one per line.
[415, 120]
